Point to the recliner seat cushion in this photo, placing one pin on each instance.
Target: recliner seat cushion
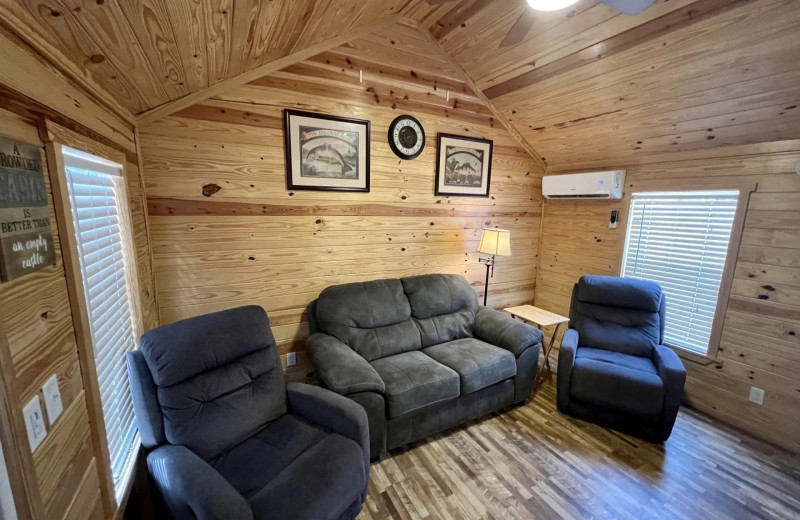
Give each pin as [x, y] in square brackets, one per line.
[414, 380]
[252, 464]
[321, 482]
[443, 306]
[478, 364]
[617, 381]
[373, 318]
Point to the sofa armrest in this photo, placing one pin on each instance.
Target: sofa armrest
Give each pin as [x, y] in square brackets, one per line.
[333, 411]
[498, 328]
[566, 359]
[191, 488]
[339, 368]
[672, 373]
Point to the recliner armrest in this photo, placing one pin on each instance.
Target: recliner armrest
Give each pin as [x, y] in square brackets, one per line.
[340, 368]
[670, 368]
[333, 411]
[191, 488]
[566, 359]
[500, 329]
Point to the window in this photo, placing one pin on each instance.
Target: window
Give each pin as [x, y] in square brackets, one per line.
[680, 240]
[98, 203]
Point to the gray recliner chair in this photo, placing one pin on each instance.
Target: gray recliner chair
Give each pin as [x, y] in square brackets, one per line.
[228, 439]
[613, 368]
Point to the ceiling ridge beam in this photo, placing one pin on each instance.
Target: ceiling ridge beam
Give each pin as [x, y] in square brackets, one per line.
[655, 28]
[481, 96]
[12, 23]
[169, 108]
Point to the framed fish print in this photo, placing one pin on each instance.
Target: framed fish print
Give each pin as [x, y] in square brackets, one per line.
[326, 152]
[463, 166]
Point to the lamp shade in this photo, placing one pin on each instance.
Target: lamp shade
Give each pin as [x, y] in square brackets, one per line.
[495, 242]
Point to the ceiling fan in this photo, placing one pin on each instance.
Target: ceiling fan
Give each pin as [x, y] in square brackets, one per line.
[526, 20]
[630, 7]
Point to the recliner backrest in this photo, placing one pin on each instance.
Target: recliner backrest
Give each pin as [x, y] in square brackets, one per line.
[621, 314]
[443, 306]
[372, 318]
[207, 383]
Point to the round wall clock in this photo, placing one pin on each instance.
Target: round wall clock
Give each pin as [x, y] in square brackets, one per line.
[406, 137]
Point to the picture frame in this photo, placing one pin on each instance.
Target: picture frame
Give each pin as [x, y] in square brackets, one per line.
[325, 152]
[463, 166]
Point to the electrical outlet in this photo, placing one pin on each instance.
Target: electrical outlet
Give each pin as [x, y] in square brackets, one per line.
[291, 359]
[756, 395]
[52, 399]
[34, 422]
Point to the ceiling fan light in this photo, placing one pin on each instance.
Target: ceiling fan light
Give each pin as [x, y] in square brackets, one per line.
[550, 5]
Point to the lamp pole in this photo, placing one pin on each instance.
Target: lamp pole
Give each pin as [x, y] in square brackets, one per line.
[489, 263]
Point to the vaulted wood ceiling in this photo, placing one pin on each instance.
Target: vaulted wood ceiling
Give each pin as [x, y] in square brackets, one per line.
[585, 86]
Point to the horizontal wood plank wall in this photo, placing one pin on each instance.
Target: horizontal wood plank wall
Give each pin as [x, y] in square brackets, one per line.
[41, 337]
[761, 335]
[254, 242]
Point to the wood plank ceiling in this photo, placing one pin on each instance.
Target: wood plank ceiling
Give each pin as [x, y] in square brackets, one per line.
[585, 86]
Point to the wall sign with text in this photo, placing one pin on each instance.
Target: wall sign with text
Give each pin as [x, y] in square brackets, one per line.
[26, 243]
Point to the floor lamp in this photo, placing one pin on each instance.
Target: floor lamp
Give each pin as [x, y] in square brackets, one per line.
[494, 242]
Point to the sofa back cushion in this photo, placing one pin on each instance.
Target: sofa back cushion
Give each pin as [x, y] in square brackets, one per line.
[218, 378]
[443, 307]
[373, 318]
[619, 314]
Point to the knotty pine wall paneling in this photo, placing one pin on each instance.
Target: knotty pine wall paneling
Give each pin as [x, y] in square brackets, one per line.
[226, 232]
[761, 334]
[41, 340]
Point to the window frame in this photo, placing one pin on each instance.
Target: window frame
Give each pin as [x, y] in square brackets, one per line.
[745, 188]
[56, 138]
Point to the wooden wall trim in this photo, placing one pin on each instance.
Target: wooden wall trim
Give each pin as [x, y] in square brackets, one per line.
[21, 71]
[146, 217]
[77, 299]
[158, 206]
[19, 459]
[188, 100]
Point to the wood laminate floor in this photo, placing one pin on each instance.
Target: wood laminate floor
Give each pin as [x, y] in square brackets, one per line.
[534, 462]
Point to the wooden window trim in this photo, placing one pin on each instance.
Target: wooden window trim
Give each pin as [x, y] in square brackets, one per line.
[55, 138]
[745, 188]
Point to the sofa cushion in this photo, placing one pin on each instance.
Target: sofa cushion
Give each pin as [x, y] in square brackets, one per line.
[414, 380]
[373, 318]
[321, 482]
[252, 464]
[478, 364]
[618, 381]
[443, 306]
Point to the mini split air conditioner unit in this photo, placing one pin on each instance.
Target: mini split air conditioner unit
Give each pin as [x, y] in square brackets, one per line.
[595, 185]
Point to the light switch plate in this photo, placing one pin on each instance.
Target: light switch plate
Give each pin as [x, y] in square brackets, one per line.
[52, 399]
[34, 422]
[756, 395]
[291, 359]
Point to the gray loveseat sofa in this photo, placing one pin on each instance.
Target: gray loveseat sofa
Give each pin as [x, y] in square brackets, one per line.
[419, 354]
[227, 439]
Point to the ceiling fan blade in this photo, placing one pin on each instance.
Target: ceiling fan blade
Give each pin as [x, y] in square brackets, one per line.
[631, 7]
[520, 29]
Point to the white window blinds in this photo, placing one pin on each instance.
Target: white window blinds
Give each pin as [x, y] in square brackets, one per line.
[99, 207]
[680, 240]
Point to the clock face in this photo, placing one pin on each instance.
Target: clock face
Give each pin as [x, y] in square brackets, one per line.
[406, 137]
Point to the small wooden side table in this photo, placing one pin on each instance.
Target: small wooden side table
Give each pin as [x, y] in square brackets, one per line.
[540, 318]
